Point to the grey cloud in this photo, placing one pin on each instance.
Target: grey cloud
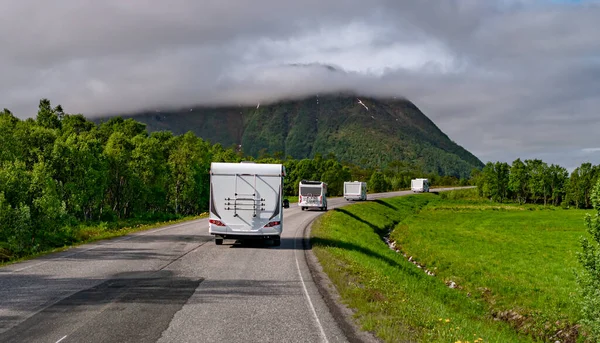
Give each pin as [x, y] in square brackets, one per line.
[503, 79]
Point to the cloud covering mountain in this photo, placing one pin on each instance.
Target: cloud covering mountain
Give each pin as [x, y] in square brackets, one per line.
[504, 79]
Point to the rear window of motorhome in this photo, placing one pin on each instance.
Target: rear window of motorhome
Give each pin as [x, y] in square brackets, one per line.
[308, 190]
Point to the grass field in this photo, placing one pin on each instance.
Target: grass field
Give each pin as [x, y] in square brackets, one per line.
[513, 266]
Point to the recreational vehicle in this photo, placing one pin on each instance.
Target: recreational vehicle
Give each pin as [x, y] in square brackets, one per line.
[355, 190]
[419, 185]
[312, 194]
[246, 201]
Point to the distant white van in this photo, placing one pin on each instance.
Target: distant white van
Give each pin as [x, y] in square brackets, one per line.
[246, 201]
[355, 190]
[312, 194]
[419, 185]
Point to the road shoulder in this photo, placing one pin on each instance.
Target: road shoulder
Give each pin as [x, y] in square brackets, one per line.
[341, 313]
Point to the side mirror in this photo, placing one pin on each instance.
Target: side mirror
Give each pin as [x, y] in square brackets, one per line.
[286, 203]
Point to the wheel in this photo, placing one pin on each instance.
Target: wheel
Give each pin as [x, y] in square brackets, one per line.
[218, 241]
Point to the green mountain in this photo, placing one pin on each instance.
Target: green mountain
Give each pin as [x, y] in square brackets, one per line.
[371, 134]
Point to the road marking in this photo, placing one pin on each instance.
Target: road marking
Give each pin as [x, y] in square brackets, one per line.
[128, 237]
[312, 307]
[65, 336]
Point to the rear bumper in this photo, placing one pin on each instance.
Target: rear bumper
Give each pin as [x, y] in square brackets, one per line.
[243, 236]
[226, 231]
[303, 204]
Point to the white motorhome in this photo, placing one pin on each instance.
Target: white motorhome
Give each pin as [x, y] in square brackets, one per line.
[419, 185]
[355, 190]
[312, 194]
[246, 201]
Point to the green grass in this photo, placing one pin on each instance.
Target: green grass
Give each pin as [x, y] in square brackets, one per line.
[392, 297]
[514, 258]
[92, 233]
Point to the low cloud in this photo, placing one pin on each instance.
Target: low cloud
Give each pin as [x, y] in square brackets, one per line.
[504, 79]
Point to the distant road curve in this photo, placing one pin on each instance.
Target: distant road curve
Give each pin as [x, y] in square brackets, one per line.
[173, 284]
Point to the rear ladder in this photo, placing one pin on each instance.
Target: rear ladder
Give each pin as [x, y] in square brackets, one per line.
[243, 201]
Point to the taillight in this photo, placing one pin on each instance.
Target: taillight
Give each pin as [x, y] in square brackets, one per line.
[216, 222]
[300, 199]
[271, 224]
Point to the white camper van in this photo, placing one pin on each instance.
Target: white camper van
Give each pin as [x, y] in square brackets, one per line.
[355, 190]
[246, 201]
[419, 185]
[312, 194]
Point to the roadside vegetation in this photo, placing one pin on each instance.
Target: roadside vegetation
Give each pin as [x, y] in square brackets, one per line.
[62, 176]
[456, 267]
[533, 181]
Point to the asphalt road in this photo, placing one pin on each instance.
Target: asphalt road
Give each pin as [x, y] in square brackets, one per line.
[171, 284]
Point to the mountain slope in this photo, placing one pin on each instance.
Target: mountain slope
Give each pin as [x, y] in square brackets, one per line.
[381, 131]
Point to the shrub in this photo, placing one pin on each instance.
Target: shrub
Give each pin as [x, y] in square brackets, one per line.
[589, 278]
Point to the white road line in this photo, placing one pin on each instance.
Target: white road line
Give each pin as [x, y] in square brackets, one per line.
[310, 303]
[128, 237]
[65, 336]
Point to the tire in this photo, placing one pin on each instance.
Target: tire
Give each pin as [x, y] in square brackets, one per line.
[218, 241]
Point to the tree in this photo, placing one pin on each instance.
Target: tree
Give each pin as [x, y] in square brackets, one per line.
[149, 167]
[573, 193]
[518, 180]
[581, 182]
[477, 180]
[378, 183]
[502, 170]
[188, 168]
[537, 180]
[48, 211]
[118, 154]
[558, 177]
[489, 182]
[589, 278]
[48, 117]
[9, 145]
[81, 171]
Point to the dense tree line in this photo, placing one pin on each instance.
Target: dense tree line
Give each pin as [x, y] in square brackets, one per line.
[59, 171]
[535, 181]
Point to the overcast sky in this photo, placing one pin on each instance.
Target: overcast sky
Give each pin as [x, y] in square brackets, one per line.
[504, 79]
